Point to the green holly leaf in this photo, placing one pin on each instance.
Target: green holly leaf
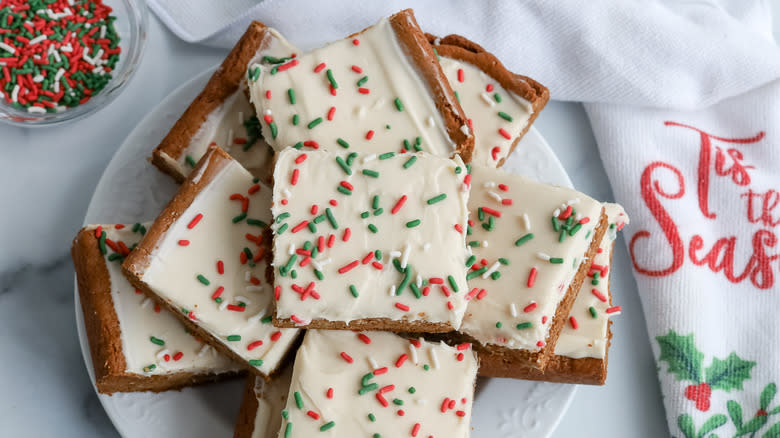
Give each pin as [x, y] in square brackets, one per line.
[767, 395]
[751, 426]
[728, 374]
[735, 412]
[773, 432]
[774, 411]
[685, 423]
[682, 356]
[713, 423]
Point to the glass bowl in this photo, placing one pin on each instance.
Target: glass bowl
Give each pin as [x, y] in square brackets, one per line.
[131, 26]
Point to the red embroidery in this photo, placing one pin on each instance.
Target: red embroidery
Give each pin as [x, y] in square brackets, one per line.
[649, 190]
[760, 209]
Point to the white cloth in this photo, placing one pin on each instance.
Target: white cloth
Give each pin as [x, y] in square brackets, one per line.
[684, 99]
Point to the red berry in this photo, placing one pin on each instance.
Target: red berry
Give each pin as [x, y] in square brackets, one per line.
[700, 394]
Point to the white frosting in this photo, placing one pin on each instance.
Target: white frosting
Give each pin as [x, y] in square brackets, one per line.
[225, 125]
[429, 251]
[368, 121]
[488, 111]
[510, 313]
[271, 400]
[589, 338]
[424, 390]
[177, 272]
[153, 341]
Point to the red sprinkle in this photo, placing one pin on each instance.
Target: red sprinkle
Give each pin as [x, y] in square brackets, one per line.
[398, 204]
[380, 371]
[217, 293]
[574, 324]
[347, 357]
[362, 90]
[490, 211]
[370, 134]
[347, 233]
[366, 340]
[300, 159]
[319, 67]
[403, 307]
[357, 69]
[195, 221]
[178, 356]
[235, 308]
[294, 179]
[356, 42]
[532, 277]
[614, 309]
[300, 226]
[415, 429]
[276, 335]
[254, 345]
[504, 134]
[529, 308]
[184, 242]
[599, 295]
[463, 346]
[220, 267]
[401, 359]
[254, 189]
[461, 77]
[330, 393]
[331, 113]
[313, 414]
[349, 267]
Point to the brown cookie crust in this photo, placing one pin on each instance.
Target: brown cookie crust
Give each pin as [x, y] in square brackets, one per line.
[415, 45]
[369, 324]
[139, 259]
[103, 331]
[460, 48]
[222, 84]
[245, 423]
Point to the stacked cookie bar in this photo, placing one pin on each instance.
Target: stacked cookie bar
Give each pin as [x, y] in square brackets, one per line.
[343, 232]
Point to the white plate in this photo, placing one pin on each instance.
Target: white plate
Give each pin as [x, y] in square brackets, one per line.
[132, 190]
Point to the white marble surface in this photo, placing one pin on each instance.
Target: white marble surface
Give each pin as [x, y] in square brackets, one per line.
[47, 177]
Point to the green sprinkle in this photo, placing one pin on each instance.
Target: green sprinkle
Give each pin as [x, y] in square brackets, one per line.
[503, 261]
[239, 218]
[495, 276]
[415, 290]
[190, 160]
[291, 95]
[373, 228]
[594, 282]
[556, 225]
[524, 325]
[476, 273]
[412, 390]
[343, 166]
[149, 368]
[267, 319]
[398, 402]
[298, 145]
[371, 173]
[256, 362]
[574, 229]
[218, 300]
[398, 104]
[298, 400]
[254, 74]
[405, 282]
[102, 242]
[438, 198]
[457, 96]
[426, 367]
[344, 190]
[256, 223]
[274, 129]
[379, 211]
[505, 116]
[314, 123]
[524, 239]
[282, 229]
[362, 81]
[343, 143]
[332, 80]
[285, 414]
[351, 157]
[115, 256]
[288, 430]
[562, 236]
[470, 261]
[556, 260]
[480, 214]
[410, 162]
[327, 426]
[248, 253]
[453, 284]
[365, 215]
[375, 201]
[156, 341]
[234, 338]
[203, 279]
[593, 313]
[368, 388]
[296, 119]
[282, 217]
[387, 155]
[499, 324]
[474, 243]
[497, 97]
[353, 290]
[331, 218]
[372, 418]
[412, 224]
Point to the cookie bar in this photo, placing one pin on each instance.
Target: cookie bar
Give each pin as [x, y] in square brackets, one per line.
[369, 242]
[532, 245]
[500, 105]
[380, 384]
[134, 345]
[260, 415]
[204, 259]
[380, 90]
[222, 115]
[581, 352]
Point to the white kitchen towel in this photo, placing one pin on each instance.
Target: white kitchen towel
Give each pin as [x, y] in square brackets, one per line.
[684, 100]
